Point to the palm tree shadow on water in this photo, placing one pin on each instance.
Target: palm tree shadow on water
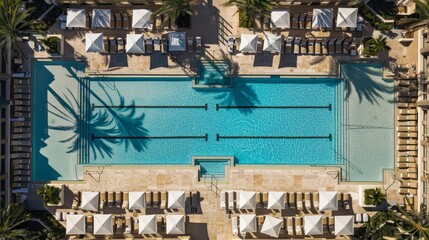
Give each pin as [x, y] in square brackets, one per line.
[240, 95]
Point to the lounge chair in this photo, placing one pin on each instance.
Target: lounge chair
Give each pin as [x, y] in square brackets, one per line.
[155, 200]
[408, 175]
[125, 199]
[21, 161]
[353, 48]
[308, 21]
[407, 111]
[20, 143]
[297, 45]
[261, 219]
[407, 165]
[190, 44]
[21, 149]
[303, 46]
[149, 45]
[21, 90]
[408, 153]
[267, 23]
[325, 224]
[231, 43]
[195, 203]
[222, 203]
[311, 43]
[409, 184]
[289, 45]
[113, 46]
[407, 147]
[198, 44]
[88, 20]
[307, 200]
[118, 20]
[76, 200]
[289, 224]
[158, 23]
[110, 199]
[106, 44]
[331, 46]
[259, 22]
[406, 129]
[365, 217]
[148, 198]
[102, 200]
[346, 45]
[316, 200]
[118, 225]
[339, 46]
[21, 109]
[121, 45]
[21, 179]
[265, 199]
[406, 159]
[298, 225]
[22, 114]
[318, 46]
[331, 222]
[21, 130]
[58, 216]
[21, 96]
[21, 103]
[258, 197]
[20, 185]
[292, 203]
[301, 20]
[163, 200]
[164, 45]
[231, 200]
[346, 200]
[299, 201]
[21, 135]
[128, 225]
[165, 22]
[125, 21]
[234, 223]
[359, 24]
[21, 81]
[295, 21]
[407, 124]
[112, 21]
[408, 170]
[21, 166]
[407, 135]
[157, 44]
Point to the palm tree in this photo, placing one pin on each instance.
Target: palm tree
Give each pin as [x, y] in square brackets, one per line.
[178, 10]
[412, 225]
[422, 9]
[12, 216]
[374, 196]
[374, 46]
[248, 9]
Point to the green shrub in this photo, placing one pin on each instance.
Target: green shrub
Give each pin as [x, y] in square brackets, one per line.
[374, 196]
[49, 194]
[245, 21]
[40, 26]
[53, 44]
[373, 20]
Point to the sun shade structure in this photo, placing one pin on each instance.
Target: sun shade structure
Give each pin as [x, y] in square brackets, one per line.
[141, 18]
[101, 18]
[147, 224]
[177, 42]
[175, 224]
[248, 43]
[344, 225]
[322, 17]
[313, 225]
[248, 223]
[75, 224]
[328, 201]
[347, 17]
[176, 199]
[103, 224]
[272, 226]
[136, 200]
[94, 42]
[276, 200]
[280, 19]
[247, 200]
[135, 43]
[76, 18]
[273, 43]
[90, 201]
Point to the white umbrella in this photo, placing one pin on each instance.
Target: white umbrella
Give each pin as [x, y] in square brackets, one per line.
[248, 223]
[322, 17]
[176, 199]
[76, 18]
[147, 224]
[344, 225]
[101, 18]
[313, 225]
[328, 201]
[272, 226]
[136, 200]
[90, 201]
[103, 224]
[177, 42]
[248, 43]
[94, 42]
[347, 17]
[135, 43]
[280, 19]
[247, 200]
[75, 224]
[273, 43]
[175, 224]
[276, 200]
[141, 18]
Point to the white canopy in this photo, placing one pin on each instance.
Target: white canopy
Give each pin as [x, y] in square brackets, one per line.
[248, 43]
[135, 43]
[94, 42]
[344, 225]
[347, 17]
[322, 17]
[248, 223]
[273, 43]
[103, 224]
[175, 224]
[247, 200]
[328, 201]
[313, 225]
[276, 200]
[76, 18]
[75, 224]
[141, 18]
[101, 18]
[147, 224]
[177, 42]
[176, 199]
[272, 226]
[136, 200]
[90, 201]
[280, 19]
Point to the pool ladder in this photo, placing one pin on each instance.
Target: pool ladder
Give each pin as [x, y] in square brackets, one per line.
[212, 185]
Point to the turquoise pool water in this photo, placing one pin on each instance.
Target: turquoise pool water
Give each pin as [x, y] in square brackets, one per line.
[210, 168]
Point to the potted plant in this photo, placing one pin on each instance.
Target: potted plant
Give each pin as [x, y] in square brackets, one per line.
[51, 195]
[374, 196]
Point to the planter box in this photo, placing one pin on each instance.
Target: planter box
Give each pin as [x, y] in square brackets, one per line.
[61, 203]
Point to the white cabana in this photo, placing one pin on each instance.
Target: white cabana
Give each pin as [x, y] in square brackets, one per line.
[75, 224]
[141, 18]
[248, 223]
[94, 42]
[101, 18]
[322, 17]
[344, 225]
[175, 224]
[328, 201]
[136, 200]
[177, 41]
[90, 201]
[76, 18]
[313, 225]
[147, 224]
[273, 43]
[103, 224]
[347, 17]
[247, 200]
[135, 43]
[248, 43]
[272, 226]
[276, 200]
[176, 199]
[280, 19]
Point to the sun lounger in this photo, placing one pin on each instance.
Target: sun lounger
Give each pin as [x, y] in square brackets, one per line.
[58, 216]
[267, 23]
[21, 96]
[407, 159]
[20, 143]
[21, 161]
[406, 129]
[339, 46]
[128, 225]
[346, 46]
[158, 23]
[301, 20]
[21, 103]
[307, 200]
[163, 200]
[21, 130]
[88, 20]
[259, 20]
[261, 219]
[316, 200]
[404, 175]
[149, 45]
[21, 149]
[311, 43]
[121, 45]
[222, 203]
[21, 89]
[308, 21]
[102, 200]
[289, 225]
[21, 135]
[110, 199]
[297, 47]
[292, 203]
[407, 123]
[125, 21]
[21, 109]
[346, 200]
[21, 166]
[113, 46]
[408, 170]
[407, 135]
[359, 24]
[125, 198]
[331, 46]
[407, 142]
[89, 223]
[407, 148]
[298, 225]
[164, 45]
[407, 111]
[190, 44]
[106, 44]
[299, 201]
[303, 46]
[407, 165]
[156, 196]
[295, 21]
[324, 46]
[289, 45]
[148, 198]
[157, 44]
[22, 124]
[165, 22]
[231, 43]
[21, 81]
[198, 44]
[365, 217]
[22, 114]
[119, 220]
[258, 197]
[318, 46]
[408, 153]
[21, 179]
[231, 200]
[118, 20]
[265, 199]
[20, 184]
[409, 184]
[234, 223]
[325, 224]
[76, 200]
[331, 222]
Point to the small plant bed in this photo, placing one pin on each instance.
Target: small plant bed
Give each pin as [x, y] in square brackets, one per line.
[374, 196]
[57, 231]
[373, 20]
[53, 45]
[50, 195]
[387, 10]
[373, 46]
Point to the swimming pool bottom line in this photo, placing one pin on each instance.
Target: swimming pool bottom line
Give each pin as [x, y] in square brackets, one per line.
[205, 137]
[218, 137]
[93, 106]
[329, 107]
